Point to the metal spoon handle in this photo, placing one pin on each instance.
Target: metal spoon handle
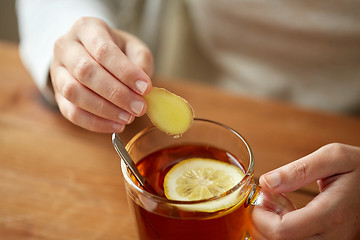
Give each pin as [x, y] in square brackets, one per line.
[124, 155]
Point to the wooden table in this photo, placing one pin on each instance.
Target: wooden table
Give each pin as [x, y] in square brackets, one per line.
[58, 181]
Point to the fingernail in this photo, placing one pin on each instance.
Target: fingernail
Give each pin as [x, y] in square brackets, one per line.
[272, 180]
[124, 116]
[137, 107]
[141, 86]
[118, 127]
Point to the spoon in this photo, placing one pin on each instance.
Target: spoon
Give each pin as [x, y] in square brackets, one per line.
[125, 156]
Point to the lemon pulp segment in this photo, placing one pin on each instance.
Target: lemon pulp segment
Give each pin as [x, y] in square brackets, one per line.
[168, 112]
[203, 178]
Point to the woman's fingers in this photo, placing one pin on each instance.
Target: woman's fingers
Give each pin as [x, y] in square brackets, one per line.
[112, 57]
[317, 165]
[332, 214]
[86, 119]
[299, 224]
[86, 99]
[135, 50]
[93, 76]
[99, 75]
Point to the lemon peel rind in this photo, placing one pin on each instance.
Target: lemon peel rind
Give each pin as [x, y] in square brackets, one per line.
[224, 203]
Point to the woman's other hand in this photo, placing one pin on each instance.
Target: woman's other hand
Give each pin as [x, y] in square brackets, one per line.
[333, 214]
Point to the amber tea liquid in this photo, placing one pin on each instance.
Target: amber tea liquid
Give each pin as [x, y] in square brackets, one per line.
[178, 224]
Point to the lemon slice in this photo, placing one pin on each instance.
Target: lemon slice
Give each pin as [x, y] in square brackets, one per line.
[203, 178]
[168, 112]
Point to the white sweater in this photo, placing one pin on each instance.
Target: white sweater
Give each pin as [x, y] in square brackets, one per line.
[306, 52]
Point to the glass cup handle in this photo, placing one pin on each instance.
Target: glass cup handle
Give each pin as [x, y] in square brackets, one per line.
[276, 202]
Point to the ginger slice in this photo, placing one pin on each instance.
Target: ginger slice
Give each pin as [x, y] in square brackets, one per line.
[168, 112]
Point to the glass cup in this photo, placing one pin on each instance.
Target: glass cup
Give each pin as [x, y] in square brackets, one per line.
[161, 218]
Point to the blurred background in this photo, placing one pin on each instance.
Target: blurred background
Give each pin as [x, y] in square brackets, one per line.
[8, 23]
[252, 50]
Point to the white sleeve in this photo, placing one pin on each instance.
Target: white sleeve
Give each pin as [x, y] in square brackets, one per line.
[41, 22]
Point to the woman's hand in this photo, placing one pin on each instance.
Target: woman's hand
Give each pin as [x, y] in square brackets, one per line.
[99, 75]
[333, 214]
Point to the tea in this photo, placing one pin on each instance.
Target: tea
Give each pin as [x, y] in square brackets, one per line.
[178, 223]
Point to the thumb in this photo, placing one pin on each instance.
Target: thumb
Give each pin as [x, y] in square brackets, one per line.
[136, 50]
[320, 164]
